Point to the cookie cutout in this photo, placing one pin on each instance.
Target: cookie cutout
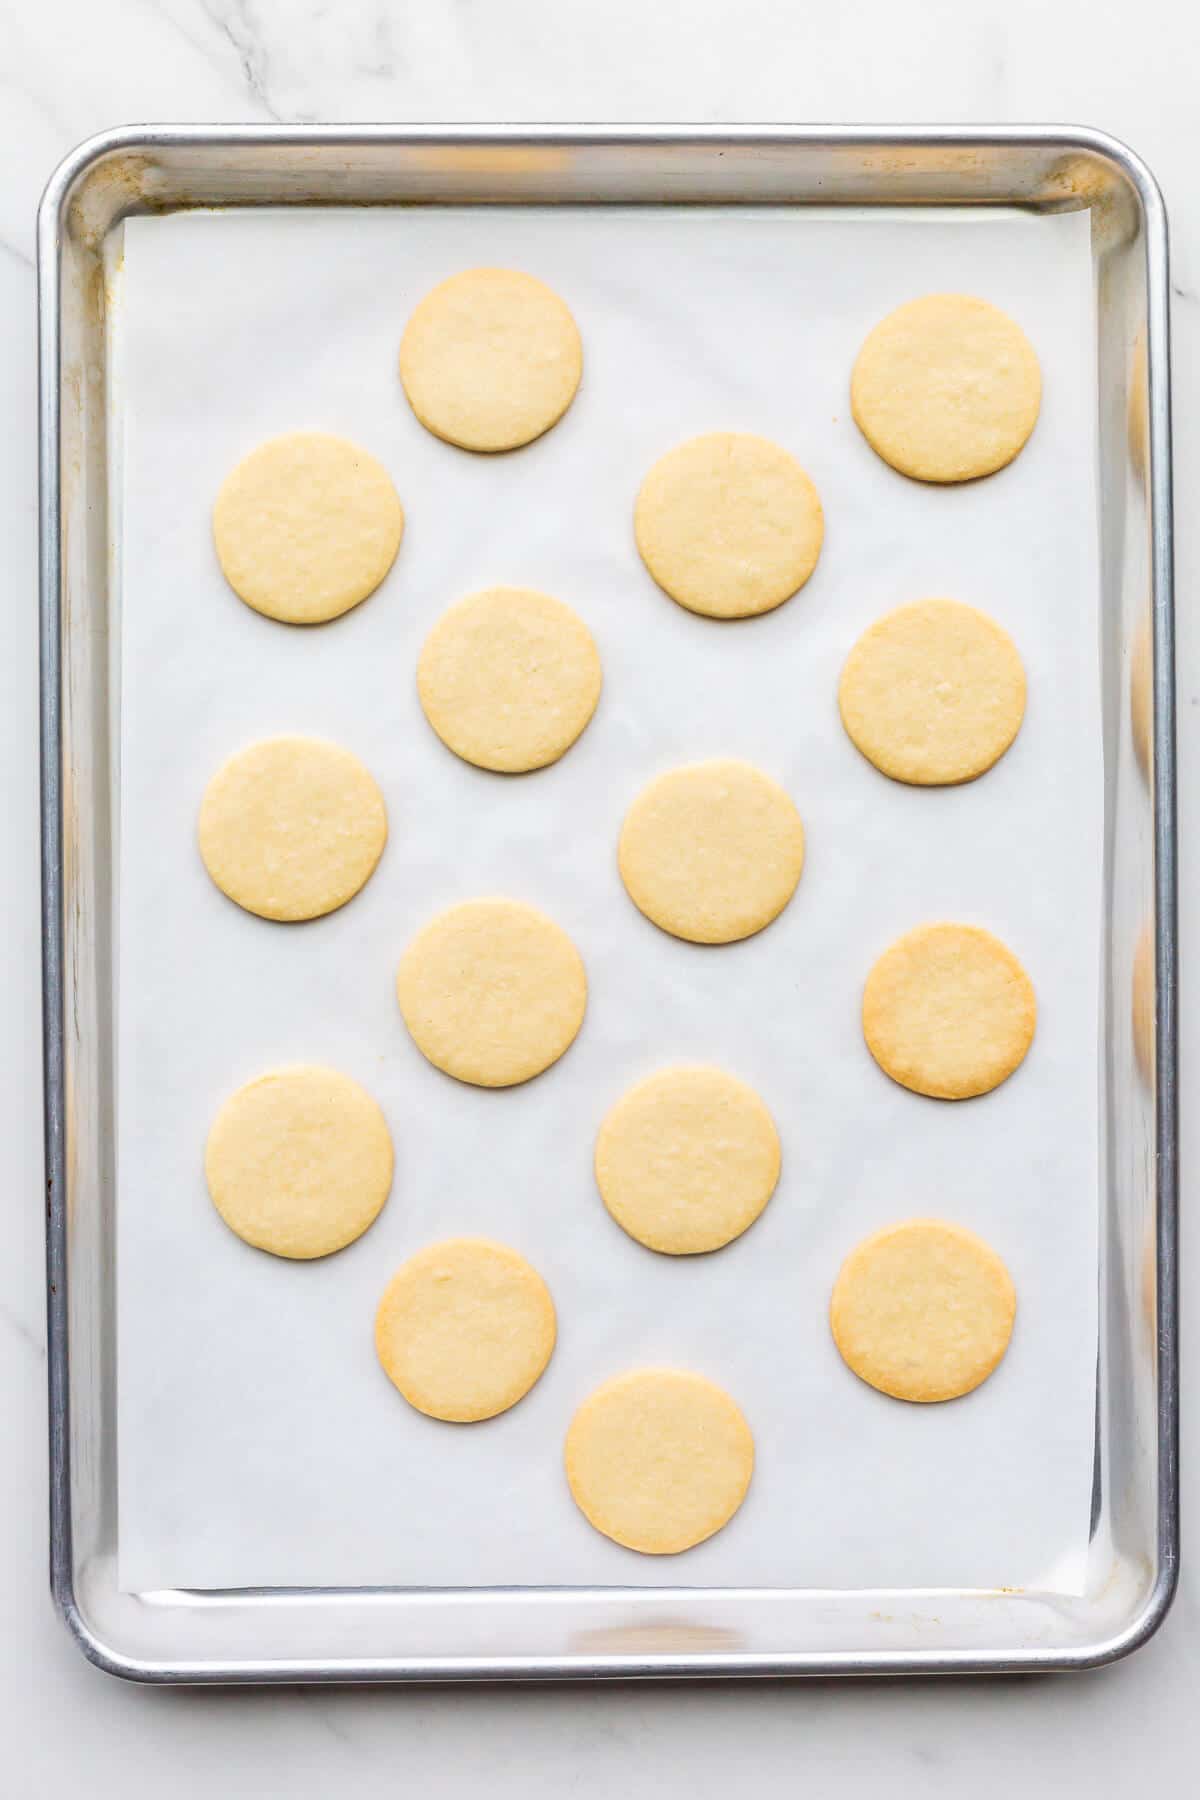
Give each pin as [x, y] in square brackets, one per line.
[490, 359]
[687, 1160]
[948, 1011]
[729, 525]
[509, 678]
[492, 992]
[933, 693]
[464, 1329]
[659, 1459]
[711, 852]
[923, 1310]
[291, 827]
[299, 1162]
[306, 527]
[946, 388]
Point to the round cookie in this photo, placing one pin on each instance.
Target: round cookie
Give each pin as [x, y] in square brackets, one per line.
[712, 852]
[729, 525]
[490, 359]
[299, 1162]
[464, 1329]
[948, 1011]
[923, 1310]
[946, 388]
[492, 991]
[659, 1459]
[933, 693]
[509, 678]
[687, 1160]
[306, 526]
[292, 827]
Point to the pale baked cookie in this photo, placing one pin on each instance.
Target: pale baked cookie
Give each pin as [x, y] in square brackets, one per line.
[306, 526]
[659, 1459]
[492, 991]
[299, 1162]
[729, 525]
[933, 693]
[464, 1329]
[923, 1310]
[490, 359]
[292, 827]
[509, 678]
[712, 852]
[946, 388]
[948, 1011]
[687, 1159]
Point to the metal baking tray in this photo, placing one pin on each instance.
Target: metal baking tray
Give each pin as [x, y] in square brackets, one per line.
[390, 1634]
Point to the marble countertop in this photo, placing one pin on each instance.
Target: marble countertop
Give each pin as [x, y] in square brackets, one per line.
[72, 67]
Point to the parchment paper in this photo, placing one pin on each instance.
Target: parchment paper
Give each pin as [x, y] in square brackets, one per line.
[259, 1441]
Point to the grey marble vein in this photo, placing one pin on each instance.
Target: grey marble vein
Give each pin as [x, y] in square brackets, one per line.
[17, 1326]
[198, 40]
[38, 103]
[238, 22]
[15, 254]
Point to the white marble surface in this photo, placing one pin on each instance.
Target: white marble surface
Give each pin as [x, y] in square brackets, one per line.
[71, 67]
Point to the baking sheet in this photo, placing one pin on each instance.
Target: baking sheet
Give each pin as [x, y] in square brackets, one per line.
[259, 1443]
